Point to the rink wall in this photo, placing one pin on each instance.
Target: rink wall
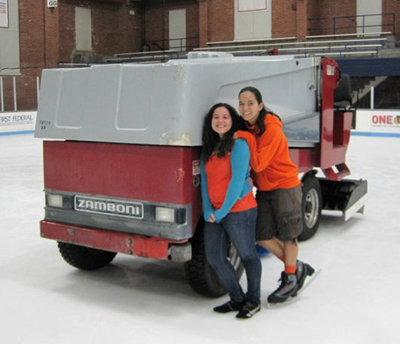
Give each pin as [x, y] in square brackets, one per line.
[17, 122]
[384, 123]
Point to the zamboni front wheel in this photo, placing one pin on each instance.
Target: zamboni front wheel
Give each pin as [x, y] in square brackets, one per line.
[85, 258]
[312, 205]
[200, 275]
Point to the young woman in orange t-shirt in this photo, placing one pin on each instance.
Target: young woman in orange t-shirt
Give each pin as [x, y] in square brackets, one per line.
[230, 209]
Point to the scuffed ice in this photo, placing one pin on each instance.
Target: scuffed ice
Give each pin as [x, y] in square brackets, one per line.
[45, 301]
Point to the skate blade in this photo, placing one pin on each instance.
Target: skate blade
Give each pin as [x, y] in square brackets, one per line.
[292, 299]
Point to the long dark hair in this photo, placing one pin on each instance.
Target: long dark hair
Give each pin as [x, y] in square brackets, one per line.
[260, 122]
[212, 143]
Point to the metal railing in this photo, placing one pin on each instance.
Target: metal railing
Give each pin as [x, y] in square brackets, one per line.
[19, 92]
[180, 44]
[352, 24]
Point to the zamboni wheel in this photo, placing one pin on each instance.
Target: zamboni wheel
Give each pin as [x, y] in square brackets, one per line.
[312, 206]
[200, 275]
[85, 258]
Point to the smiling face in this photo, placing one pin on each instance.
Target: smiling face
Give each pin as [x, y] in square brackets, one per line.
[221, 121]
[249, 108]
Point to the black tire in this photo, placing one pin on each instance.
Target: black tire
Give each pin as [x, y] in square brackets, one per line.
[311, 205]
[200, 275]
[85, 258]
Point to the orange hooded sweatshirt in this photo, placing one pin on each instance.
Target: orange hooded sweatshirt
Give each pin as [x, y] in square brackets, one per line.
[269, 157]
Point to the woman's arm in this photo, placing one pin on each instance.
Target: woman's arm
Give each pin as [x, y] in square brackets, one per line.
[263, 154]
[240, 158]
[207, 207]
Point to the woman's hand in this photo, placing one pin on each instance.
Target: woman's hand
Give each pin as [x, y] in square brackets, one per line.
[211, 218]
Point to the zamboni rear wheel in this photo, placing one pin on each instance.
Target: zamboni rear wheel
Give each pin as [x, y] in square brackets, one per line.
[312, 205]
[85, 258]
[200, 275]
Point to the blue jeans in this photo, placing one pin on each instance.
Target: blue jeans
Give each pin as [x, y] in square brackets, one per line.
[238, 228]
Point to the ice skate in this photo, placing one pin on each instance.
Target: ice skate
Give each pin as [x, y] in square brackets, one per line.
[287, 288]
[302, 271]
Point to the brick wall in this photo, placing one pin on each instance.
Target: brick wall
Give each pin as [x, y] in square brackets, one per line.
[221, 14]
[156, 21]
[289, 18]
[208, 20]
[284, 18]
[114, 28]
[329, 9]
[67, 32]
[32, 50]
[38, 50]
[192, 23]
[47, 37]
[301, 19]
[391, 6]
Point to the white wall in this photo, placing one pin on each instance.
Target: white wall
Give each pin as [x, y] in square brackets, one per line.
[83, 29]
[177, 28]
[369, 7]
[253, 24]
[9, 40]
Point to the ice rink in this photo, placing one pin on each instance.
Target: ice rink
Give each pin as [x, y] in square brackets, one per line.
[354, 299]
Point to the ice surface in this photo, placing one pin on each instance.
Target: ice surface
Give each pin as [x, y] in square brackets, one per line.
[133, 300]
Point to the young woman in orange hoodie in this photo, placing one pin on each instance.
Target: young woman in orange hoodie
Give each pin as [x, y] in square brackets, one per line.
[279, 193]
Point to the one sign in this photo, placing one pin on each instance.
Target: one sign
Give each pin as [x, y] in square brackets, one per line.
[3, 13]
[378, 122]
[52, 3]
[252, 5]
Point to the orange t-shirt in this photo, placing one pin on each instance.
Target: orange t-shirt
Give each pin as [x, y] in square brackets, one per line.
[219, 174]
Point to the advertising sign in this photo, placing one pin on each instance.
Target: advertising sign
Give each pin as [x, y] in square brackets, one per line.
[17, 122]
[378, 122]
[4, 13]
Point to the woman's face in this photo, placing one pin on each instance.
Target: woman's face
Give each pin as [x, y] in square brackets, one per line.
[249, 108]
[221, 121]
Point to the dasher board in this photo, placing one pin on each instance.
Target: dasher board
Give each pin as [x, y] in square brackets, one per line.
[165, 104]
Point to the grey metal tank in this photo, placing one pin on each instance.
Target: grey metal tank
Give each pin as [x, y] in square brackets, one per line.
[165, 103]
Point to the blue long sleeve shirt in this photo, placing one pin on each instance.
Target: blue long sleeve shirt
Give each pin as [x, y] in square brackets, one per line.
[239, 184]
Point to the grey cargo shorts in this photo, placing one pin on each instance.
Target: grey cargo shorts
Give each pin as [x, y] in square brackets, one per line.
[279, 214]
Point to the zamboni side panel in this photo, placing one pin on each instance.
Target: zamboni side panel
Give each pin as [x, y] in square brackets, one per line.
[165, 104]
[152, 173]
[159, 175]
